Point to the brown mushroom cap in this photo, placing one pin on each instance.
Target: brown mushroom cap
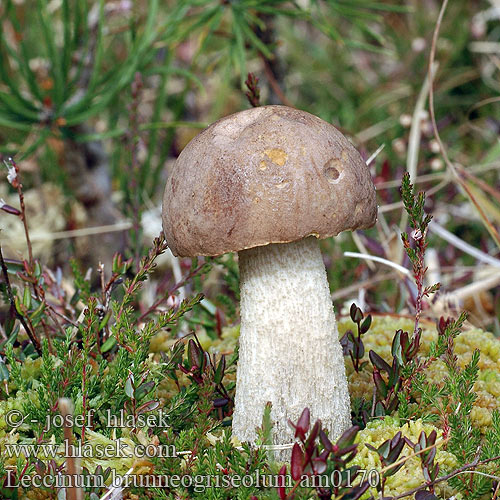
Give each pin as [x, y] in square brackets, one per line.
[270, 174]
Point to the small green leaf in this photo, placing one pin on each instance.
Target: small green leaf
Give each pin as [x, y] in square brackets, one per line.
[27, 298]
[396, 348]
[4, 372]
[380, 383]
[129, 386]
[143, 389]
[365, 326]
[37, 313]
[19, 305]
[108, 345]
[148, 406]
[379, 362]
[219, 373]
[384, 448]
[380, 409]
[348, 437]
[105, 321]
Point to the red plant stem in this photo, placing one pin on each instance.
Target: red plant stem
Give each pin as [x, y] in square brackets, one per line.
[84, 374]
[23, 472]
[31, 333]
[16, 183]
[194, 451]
[84, 397]
[290, 495]
[178, 285]
[419, 280]
[23, 215]
[274, 83]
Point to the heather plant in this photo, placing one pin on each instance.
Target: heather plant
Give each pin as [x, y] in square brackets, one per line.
[100, 361]
[93, 347]
[402, 385]
[393, 387]
[419, 222]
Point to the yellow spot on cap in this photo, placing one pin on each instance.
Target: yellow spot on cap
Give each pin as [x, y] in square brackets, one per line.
[262, 165]
[277, 156]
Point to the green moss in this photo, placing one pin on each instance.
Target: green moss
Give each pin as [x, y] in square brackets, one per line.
[410, 475]
[379, 338]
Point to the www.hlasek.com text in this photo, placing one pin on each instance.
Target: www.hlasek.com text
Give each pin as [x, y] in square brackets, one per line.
[115, 449]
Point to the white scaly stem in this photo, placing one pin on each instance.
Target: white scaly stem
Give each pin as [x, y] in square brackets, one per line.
[289, 349]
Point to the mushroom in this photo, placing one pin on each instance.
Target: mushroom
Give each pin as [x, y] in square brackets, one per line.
[267, 183]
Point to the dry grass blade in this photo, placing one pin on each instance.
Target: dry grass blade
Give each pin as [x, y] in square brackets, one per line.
[485, 201]
[483, 185]
[375, 130]
[348, 290]
[462, 245]
[375, 154]
[362, 249]
[486, 167]
[389, 263]
[475, 288]
[82, 232]
[489, 226]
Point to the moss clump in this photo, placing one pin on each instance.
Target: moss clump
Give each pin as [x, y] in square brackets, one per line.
[16, 402]
[379, 338]
[225, 344]
[410, 475]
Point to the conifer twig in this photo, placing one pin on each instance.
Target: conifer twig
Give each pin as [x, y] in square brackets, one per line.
[14, 179]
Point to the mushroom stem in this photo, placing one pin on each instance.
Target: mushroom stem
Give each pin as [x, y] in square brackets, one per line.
[289, 350]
